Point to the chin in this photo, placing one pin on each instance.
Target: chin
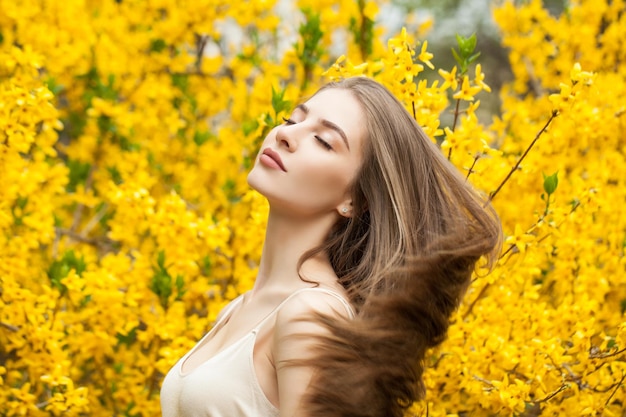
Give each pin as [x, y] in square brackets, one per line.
[261, 185]
[252, 180]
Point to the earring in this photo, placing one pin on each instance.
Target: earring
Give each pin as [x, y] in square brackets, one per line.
[344, 210]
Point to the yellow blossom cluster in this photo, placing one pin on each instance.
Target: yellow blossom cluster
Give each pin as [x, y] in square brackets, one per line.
[126, 131]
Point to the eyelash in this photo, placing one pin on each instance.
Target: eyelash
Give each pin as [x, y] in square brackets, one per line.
[319, 139]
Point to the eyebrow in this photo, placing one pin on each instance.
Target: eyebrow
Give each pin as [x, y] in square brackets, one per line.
[327, 123]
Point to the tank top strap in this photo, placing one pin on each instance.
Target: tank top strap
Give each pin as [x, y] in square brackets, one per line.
[324, 290]
[346, 304]
[226, 312]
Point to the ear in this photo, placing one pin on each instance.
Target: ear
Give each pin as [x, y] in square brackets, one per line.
[345, 209]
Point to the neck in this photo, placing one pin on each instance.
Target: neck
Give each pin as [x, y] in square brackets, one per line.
[286, 240]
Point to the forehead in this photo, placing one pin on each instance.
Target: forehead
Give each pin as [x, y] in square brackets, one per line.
[340, 106]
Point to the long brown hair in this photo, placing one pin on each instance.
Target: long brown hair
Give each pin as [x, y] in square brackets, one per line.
[405, 258]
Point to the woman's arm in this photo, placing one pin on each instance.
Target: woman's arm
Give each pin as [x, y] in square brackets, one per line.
[295, 336]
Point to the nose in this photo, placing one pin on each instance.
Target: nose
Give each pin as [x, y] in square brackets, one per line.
[285, 137]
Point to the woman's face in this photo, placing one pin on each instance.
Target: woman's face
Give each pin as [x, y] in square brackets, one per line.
[307, 164]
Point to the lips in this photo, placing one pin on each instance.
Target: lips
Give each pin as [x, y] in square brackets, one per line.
[275, 157]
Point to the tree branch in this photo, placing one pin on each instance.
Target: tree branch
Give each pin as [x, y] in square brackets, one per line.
[519, 161]
[10, 327]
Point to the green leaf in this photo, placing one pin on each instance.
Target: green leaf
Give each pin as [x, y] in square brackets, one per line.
[157, 45]
[118, 367]
[465, 55]
[460, 40]
[161, 283]
[200, 138]
[116, 176]
[127, 339]
[457, 57]
[466, 45]
[249, 126]
[471, 43]
[180, 287]
[106, 125]
[473, 58]
[161, 286]
[21, 202]
[206, 266]
[161, 259]
[60, 268]
[79, 171]
[18, 216]
[550, 183]
[53, 86]
[181, 81]
[229, 188]
[279, 104]
[128, 146]
[309, 48]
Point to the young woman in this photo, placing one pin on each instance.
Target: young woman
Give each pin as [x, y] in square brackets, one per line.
[371, 239]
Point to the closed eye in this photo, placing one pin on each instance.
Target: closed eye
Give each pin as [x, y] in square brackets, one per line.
[319, 139]
[324, 143]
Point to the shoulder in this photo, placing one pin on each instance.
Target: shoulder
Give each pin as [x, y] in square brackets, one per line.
[302, 319]
[312, 302]
[299, 331]
[301, 323]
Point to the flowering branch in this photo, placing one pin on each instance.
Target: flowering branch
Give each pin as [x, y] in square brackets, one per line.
[102, 242]
[471, 168]
[9, 326]
[519, 161]
[552, 394]
[456, 118]
[619, 384]
[604, 355]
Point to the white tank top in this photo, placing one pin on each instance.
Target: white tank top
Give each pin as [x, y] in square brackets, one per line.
[226, 384]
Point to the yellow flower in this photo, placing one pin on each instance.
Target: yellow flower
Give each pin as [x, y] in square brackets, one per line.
[520, 239]
[478, 79]
[426, 56]
[471, 109]
[578, 75]
[449, 79]
[467, 91]
[398, 43]
[564, 98]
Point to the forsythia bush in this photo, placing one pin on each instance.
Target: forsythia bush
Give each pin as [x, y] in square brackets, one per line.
[126, 131]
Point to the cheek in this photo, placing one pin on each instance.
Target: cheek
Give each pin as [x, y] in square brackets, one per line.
[330, 180]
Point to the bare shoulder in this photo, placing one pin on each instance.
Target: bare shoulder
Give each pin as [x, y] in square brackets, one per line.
[296, 329]
[311, 302]
[297, 336]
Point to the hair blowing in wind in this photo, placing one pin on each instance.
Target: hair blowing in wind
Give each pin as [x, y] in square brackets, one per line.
[405, 257]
